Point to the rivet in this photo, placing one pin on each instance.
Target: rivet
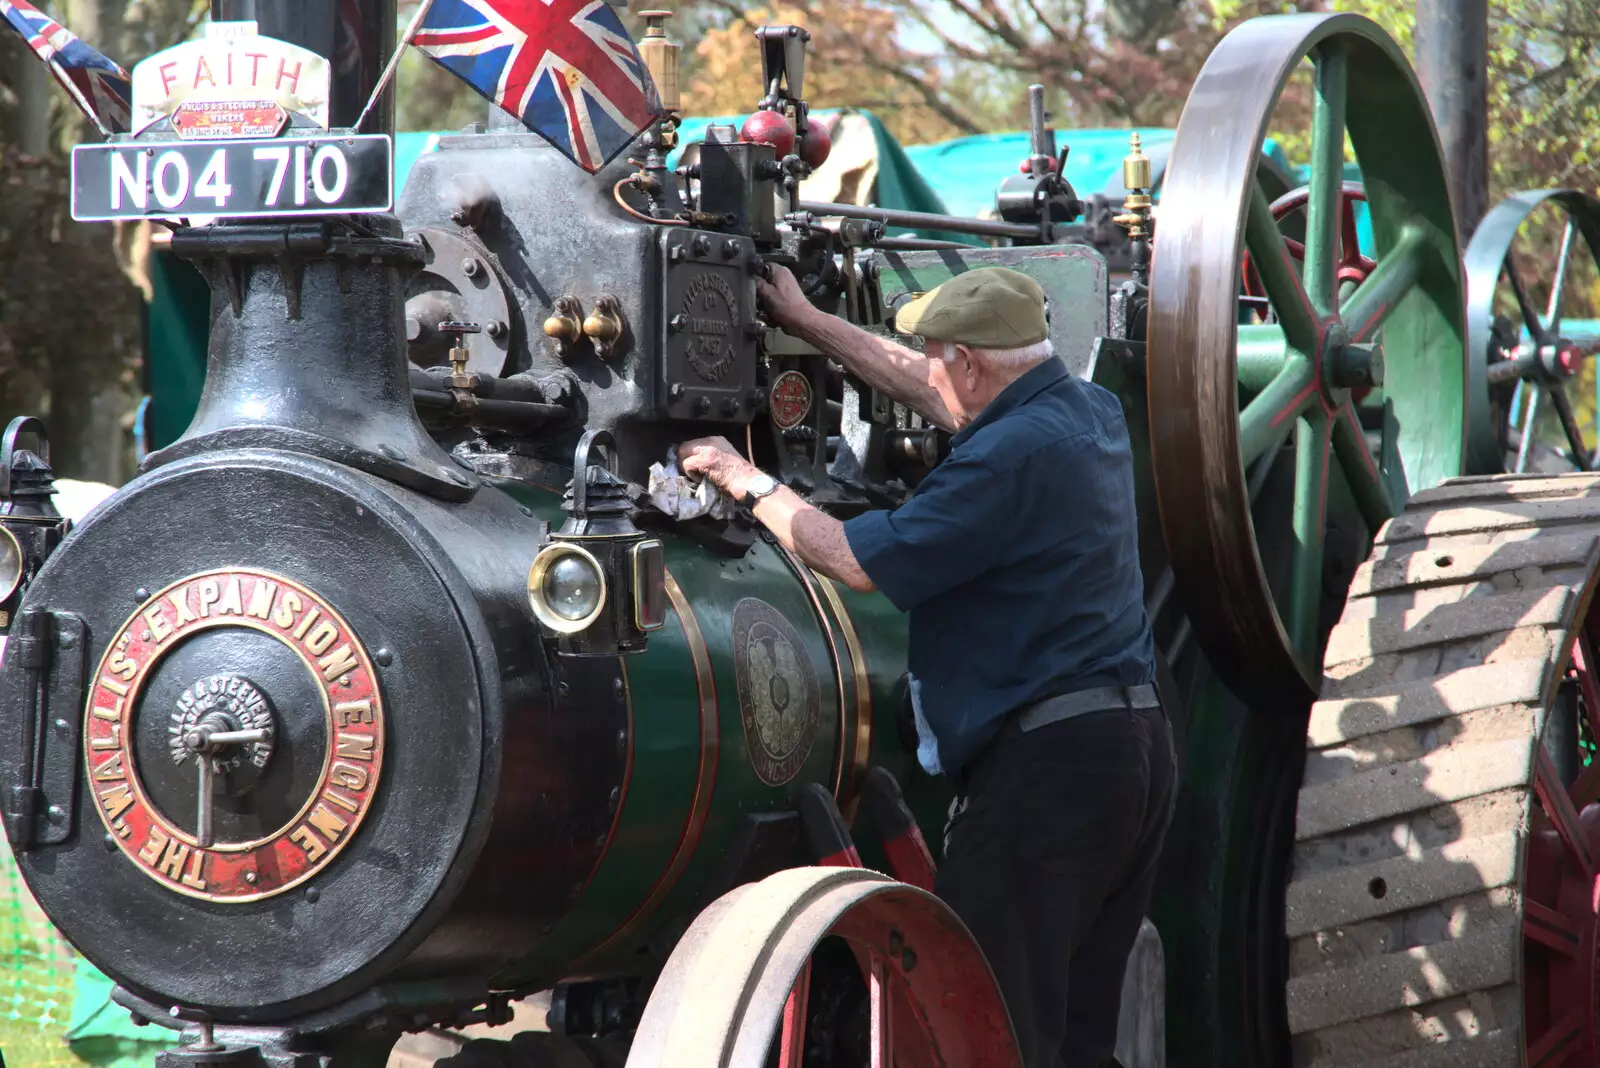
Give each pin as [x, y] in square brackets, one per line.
[495, 328]
[470, 267]
[730, 249]
[616, 795]
[56, 813]
[251, 877]
[600, 841]
[616, 688]
[141, 594]
[110, 843]
[384, 656]
[312, 893]
[622, 740]
[63, 726]
[896, 943]
[677, 391]
[562, 689]
[908, 960]
[69, 641]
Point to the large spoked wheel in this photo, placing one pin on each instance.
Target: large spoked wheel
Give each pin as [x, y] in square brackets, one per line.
[1442, 908]
[1524, 365]
[1223, 397]
[749, 978]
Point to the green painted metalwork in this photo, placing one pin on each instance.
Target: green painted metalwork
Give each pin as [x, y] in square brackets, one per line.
[688, 794]
[1075, 275]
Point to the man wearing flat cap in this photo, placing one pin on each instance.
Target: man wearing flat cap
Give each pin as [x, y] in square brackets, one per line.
[1030, 655]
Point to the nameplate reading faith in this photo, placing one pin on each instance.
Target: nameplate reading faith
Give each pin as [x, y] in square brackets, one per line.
[233, 179]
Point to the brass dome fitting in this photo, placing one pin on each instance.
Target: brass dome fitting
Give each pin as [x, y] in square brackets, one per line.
[661, 58]
[1136, 179]
[1135, 166]
[603, 326]
[564, 326]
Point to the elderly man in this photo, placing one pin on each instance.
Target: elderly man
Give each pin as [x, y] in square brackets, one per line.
[1030, 653]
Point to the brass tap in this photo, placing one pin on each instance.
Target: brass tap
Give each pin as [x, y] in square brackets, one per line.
[1135, 215]
[565, 326]
[661, 58]
[603, 326]
[460, 381]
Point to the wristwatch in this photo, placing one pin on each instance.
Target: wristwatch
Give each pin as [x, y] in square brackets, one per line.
[760, 485]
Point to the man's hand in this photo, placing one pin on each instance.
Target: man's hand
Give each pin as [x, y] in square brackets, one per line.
[780, 295]
[717, 460]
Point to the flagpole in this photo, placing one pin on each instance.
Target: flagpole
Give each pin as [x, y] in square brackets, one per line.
[77, 97]
[394, 60]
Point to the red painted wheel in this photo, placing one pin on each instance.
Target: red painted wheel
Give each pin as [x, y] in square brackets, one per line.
[741, 981]
[1559, 946]
[1351, 268]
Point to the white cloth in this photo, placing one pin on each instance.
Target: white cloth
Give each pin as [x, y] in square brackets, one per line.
[683, 497]
[927, 744]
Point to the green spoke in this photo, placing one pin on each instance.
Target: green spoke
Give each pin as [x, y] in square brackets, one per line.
[1270, 257]
[1310, 515]
[1326, 196]
[1552, 314]
[1361, 470]
[1262, 354]
[1386, 286]
[1266, 418]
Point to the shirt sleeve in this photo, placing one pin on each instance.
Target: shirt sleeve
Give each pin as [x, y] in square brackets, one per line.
[949, 532]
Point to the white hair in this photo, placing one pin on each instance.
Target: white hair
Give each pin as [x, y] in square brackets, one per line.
[1038, 352]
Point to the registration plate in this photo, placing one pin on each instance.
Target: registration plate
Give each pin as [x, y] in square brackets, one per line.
[229, 179]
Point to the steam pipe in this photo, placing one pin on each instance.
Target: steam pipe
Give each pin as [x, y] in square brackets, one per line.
[1452, 49]
[922, 220]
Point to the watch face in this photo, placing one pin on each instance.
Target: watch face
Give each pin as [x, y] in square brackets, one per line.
[762, 485]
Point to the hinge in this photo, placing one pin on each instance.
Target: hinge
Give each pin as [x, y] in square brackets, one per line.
[49, 648]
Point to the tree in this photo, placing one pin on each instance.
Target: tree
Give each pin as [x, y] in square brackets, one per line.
[728, 79]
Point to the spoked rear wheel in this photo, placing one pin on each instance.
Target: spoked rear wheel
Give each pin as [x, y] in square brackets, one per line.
[738, 990]
[1442, 904]
[1524, 365]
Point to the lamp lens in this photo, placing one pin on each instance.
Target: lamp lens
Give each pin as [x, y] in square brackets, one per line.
[572, 587]
[10, 564]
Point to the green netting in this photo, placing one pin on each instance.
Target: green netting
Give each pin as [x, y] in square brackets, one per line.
[55, 1008]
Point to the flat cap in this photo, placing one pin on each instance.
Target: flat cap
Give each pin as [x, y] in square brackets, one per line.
[990, 308]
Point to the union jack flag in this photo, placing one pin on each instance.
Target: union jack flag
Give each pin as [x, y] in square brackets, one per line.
[101, 88]
[566, 68]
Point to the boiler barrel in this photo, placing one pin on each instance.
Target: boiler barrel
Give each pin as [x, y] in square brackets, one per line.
[765, 677]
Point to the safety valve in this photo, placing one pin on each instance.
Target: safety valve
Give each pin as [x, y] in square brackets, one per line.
[598, 585]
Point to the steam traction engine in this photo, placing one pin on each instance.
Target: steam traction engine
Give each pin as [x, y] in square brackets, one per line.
[392, 693]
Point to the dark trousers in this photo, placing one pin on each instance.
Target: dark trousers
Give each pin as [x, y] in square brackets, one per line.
[1050, 858]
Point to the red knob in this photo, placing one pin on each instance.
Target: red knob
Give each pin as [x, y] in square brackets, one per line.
[817, 144]
[769, 128]
[1026, 166]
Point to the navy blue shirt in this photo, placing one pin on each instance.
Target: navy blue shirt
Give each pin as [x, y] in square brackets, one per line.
[1017, 559]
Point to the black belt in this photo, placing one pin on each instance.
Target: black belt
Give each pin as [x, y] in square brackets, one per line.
[1082, 702]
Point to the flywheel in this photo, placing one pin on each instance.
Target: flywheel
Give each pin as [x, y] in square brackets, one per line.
[1442, 905]
[1229, 398]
